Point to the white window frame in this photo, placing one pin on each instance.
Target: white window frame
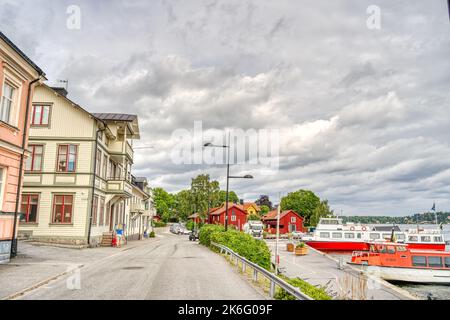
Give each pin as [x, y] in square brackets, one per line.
[293, 219]
[14, 80]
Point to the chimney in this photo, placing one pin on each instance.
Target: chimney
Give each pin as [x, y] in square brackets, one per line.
[61, 91]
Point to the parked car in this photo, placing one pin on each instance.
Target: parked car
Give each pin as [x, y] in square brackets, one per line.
[183, 230]
[193, 235]
[175, 228]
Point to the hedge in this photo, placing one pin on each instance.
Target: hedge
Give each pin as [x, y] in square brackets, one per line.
[159, 224]
[243, 244]
[317, 293]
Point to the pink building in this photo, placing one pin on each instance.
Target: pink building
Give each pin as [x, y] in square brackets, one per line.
[18, 75]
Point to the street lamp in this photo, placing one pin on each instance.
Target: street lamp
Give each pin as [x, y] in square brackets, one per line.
[209, 144]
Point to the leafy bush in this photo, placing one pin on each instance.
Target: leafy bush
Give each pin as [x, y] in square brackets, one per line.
[152, 234]
[159, 224]
[206, 231]
[243, 244]
[317, 293]
[191, 224]
[254, 217]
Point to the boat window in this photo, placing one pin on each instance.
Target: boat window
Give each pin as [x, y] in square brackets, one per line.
[358, 235]
[435, 262]
[386, 235]
[437, 239]
[374, 236]
[425, 238]
[336, 235]
[447, 262]
[391, 249]
[413, 238]
[400, 236]
[419, 261]
[324, 234]
[401, 249]
[349, 235]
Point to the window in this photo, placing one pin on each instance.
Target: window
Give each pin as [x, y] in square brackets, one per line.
[293, 219]
[425, 238]
[29, 207]
[336, 235]
[358, 235]
[437, 239]
[435, 262]
[94, 210]
[386, 236]
[391, 249]
[349, 235]
[40, 115]
[447, 262]
[67, 158]
[34, 162]
[419, 261]
[413, 239]
[105, 166]
[98, 162]
[6, 103]
[102, 211]
[400, 236]
[324, 234]
[374, 236]
[62, 209]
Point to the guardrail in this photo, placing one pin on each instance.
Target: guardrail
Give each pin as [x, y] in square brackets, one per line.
[273, 279]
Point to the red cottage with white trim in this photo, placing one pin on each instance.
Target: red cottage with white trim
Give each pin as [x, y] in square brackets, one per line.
[237, 216]
[289, 221]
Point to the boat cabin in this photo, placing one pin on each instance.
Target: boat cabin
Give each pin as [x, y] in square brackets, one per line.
[390, 254]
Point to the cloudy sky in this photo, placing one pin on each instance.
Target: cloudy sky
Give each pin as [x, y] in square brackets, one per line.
[363, 114]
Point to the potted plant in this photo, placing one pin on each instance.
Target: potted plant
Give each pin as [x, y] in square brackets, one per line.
[290, 247]
[301, 249]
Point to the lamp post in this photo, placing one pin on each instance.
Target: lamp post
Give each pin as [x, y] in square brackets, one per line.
[228, 175]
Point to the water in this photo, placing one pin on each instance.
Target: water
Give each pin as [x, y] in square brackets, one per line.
[439, 292]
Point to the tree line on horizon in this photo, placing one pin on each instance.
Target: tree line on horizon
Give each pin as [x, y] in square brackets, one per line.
[421, 218]
[205, 194]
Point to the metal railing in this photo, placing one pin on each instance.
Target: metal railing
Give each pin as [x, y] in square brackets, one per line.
[273, 279]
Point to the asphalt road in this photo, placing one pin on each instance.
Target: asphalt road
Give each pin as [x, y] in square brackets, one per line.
[169, 267]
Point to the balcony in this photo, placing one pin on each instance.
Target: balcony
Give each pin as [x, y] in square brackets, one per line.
[119, 187]
[120, 148]
[137, 207]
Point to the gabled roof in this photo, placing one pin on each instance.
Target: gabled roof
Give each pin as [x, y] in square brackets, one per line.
[218, 211]
[21, 54]
[251, 204]
[116, 117]
[272, 215]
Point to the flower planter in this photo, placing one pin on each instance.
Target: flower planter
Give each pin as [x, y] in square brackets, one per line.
[301, 251]
[290, 247]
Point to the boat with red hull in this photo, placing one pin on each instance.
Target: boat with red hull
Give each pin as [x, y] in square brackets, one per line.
[399, 262]
[332, 235]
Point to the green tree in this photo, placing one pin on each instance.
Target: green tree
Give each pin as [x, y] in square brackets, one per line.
[164, 204]
[303, 202]
[321, 211]
[183, 204]
[203, 192]
[264, 210]
[254, 217]
[232, 197]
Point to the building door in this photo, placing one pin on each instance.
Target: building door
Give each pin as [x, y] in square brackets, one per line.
[292, 228]
[111, 217]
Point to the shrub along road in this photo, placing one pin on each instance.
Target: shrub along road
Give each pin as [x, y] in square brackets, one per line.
[168, 267]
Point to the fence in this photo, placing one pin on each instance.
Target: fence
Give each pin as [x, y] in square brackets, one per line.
[257, 270]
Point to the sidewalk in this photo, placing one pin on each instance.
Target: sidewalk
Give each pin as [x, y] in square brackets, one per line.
[319, 269]
[36, 265]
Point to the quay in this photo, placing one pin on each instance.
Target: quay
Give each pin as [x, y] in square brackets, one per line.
[339, 280]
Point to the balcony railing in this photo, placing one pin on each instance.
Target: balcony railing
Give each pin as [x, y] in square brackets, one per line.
[119, 186]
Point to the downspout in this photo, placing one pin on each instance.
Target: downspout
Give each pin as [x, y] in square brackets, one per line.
[93, 185]
[13, 252]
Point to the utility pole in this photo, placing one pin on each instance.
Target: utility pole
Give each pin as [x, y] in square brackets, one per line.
[277, 237]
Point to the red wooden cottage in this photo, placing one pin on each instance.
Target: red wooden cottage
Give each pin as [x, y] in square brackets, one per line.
[289, 221]
[237, 216]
